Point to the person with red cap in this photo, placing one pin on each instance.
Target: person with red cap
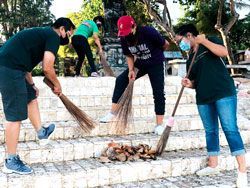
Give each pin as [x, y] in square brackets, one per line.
[143, 47]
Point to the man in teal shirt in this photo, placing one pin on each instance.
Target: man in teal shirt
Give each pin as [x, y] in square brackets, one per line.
[87, 28]
[18, 56]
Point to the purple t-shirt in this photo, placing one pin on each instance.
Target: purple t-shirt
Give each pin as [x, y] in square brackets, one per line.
[148, 50]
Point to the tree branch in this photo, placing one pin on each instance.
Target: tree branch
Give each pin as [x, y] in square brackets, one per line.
[218, 24]
[161, 22]
[234, 18]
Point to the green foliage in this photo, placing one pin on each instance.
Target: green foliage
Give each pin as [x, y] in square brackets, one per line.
[203, 14]
[16, 15]
[89, 10]
[139, 12]
[239, 35]
[37, 71]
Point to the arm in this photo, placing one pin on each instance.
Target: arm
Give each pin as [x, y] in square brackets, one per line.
[130, 62]
[166, 45]
[49, 71]
[29, 79]
[97, 41]
[187, 83]
[216, 49]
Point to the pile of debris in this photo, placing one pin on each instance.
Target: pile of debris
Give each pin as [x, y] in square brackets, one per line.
[118, 152]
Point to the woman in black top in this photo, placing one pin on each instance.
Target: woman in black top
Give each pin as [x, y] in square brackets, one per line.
[215, 96]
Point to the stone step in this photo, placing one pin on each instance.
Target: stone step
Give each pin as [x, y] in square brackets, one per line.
[65, 150]
[147, 111]
[70, 129]
[103, 86]
[225, 179]
[98, 92]
[92, 173]
[102, 101]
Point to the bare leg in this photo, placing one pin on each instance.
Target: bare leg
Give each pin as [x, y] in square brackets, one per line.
[159, 119]
[12, 130]
[113, 107]
[213, 161]
[34, 114]
[242, 163]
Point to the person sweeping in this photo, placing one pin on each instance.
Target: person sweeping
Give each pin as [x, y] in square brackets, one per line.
[18, 56]
[87, 29]
[143, 48]
[215, 97]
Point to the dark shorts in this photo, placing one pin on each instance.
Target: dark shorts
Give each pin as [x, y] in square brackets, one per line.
[16, 94]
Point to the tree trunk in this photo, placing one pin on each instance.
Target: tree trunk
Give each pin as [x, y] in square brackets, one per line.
[225, 30]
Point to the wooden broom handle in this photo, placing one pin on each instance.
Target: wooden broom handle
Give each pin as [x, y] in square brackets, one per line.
[182, 88]
[48, 82]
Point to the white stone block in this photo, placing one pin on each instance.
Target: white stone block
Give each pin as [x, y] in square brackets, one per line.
[176, 167]
[144, 171]
[92, 177]
[80, 179]
[157, 169]
[3, 180]
[166, 167]
[103, 176]
[68, 151]
[68, 180]
[127, 175]
[114, 174]
[35, 156]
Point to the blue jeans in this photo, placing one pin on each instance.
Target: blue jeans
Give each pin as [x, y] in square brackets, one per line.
[224, 109]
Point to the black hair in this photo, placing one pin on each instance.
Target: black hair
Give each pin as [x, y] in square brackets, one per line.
[66, 22]
[187, 28]
[99, 18]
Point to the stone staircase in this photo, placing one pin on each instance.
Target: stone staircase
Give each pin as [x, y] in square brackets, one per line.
[71, 157]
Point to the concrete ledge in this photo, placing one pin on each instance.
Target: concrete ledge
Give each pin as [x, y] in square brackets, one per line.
[91, 173]
[72, 149]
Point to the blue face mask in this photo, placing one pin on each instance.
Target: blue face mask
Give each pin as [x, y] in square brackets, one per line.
[185, 46]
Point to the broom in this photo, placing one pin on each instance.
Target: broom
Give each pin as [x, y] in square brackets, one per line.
[165, 135]
[123, 110]
[107, 70]
[86, 124]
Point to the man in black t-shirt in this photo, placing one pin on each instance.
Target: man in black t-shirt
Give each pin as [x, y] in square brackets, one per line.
[215, 97]
[18, 56]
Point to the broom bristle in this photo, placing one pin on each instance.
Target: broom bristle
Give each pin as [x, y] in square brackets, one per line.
[107, 70]
[163, 141]
[124, 109]
[85, 122]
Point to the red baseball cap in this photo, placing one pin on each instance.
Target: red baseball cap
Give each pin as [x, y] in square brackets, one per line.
[125, 25]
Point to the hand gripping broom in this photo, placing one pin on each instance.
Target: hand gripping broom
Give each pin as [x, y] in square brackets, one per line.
[165, 135]
[107, 70]
[123, 110]
[86, 123]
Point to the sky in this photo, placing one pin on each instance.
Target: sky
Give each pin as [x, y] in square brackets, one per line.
[60, 8]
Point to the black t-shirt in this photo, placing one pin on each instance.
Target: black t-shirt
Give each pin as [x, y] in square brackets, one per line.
[149, 48]
[211, 78]
[26, 49]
